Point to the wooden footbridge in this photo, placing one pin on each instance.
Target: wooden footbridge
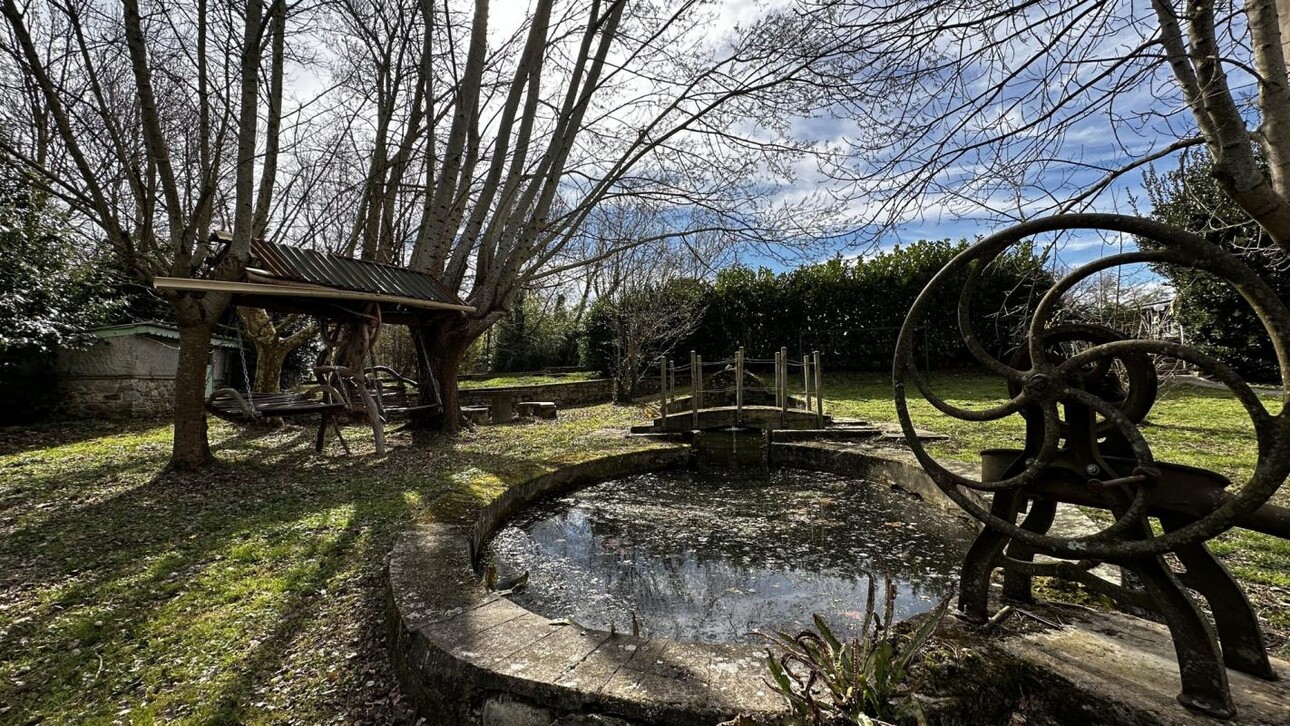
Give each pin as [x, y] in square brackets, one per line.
[725, 394]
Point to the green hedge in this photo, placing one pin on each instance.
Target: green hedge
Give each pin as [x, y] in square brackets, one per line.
[851, 310]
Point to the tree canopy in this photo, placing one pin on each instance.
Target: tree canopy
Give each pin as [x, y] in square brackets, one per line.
[51, 291]
[1214, 316]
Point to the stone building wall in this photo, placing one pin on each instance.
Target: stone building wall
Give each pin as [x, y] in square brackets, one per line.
[124, 376]
[124, 397]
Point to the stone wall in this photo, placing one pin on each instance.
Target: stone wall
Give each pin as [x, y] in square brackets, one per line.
[467, 656]
[117, 396]
[571, 394]
[565, 395]
[124, 376]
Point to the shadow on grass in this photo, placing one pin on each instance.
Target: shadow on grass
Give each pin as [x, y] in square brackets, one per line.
[142, 561]
[187, 596]
[34, 437]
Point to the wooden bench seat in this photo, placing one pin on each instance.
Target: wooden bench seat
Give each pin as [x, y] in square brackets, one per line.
[322, 401]
[396, 395]
[231, 405]
[401, 402]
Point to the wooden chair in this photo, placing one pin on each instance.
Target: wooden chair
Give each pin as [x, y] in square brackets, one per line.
[398, 396]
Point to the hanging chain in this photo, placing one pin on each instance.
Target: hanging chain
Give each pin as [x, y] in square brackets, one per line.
[241, 350]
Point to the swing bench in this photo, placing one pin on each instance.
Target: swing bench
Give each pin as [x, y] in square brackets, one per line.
[398, 396]
[323, 401]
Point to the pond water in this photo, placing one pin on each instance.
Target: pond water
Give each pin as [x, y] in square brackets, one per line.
[711, 556]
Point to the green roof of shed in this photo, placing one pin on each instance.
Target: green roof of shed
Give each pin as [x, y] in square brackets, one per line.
[154, 330]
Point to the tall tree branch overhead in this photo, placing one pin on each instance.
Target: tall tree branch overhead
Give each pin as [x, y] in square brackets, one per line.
[1014, 108]
[488, 141]
[141, 119]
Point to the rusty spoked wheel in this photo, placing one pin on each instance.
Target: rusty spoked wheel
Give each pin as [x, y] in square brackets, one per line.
[1040, 380]
[1130, 383]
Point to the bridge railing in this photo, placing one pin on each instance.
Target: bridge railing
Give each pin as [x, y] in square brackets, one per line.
[786, 372]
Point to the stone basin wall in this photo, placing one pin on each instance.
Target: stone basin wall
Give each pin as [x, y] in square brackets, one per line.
[465, 656]
[468, 657]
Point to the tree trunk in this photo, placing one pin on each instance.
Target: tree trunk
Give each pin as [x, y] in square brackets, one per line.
[441, 347]
[191, 449]
[269, 359]
[271, 347]
[626, 379]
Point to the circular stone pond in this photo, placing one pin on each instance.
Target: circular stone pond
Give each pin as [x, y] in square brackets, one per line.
[715, 556]
[696, 559]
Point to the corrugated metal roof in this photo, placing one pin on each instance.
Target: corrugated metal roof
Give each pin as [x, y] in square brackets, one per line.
[346, 273]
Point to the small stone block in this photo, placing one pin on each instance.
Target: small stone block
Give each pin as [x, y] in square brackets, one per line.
[548, 658]
[600, 665]
[503, 711]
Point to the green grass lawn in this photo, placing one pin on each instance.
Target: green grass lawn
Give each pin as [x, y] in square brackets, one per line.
[249, 594]
[1188, 425]
[254, 593]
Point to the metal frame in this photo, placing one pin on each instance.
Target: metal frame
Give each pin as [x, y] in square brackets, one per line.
[1083, 447]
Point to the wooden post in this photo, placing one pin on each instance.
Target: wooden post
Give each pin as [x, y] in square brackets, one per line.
[696, 384]
[779, 382]
[662, 389]
[671, 384]
[819, 390]
[739, 385]
[806, 380]
[783, 384]
[776, 404]
[694, 398]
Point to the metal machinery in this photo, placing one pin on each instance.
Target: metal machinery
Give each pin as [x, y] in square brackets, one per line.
[1082, 390]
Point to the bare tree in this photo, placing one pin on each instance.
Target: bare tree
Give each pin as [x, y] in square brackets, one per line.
[155, 123]
[1014, 108]
[649, 303]
[494, 150]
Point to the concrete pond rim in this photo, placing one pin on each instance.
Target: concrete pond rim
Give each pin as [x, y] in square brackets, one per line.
[464, 655]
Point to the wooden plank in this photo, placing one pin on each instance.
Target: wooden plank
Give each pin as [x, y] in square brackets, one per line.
[297, 291]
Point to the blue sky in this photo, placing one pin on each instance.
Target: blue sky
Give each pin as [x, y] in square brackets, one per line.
[1137, 110]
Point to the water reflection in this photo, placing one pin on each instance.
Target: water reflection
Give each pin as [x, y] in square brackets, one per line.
[710, 556]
